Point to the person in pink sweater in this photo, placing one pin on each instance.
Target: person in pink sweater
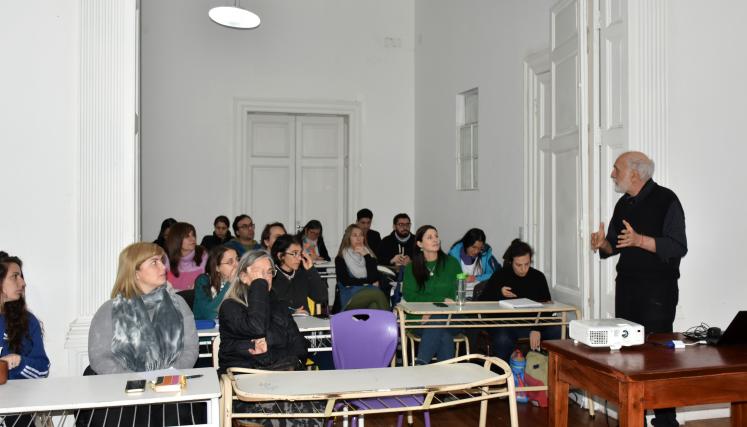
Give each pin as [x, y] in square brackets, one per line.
[186, 258]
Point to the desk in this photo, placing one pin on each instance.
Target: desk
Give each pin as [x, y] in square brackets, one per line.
[338, 389]
[314, 329]
[470, 315]
[648, 376]
[65, 396]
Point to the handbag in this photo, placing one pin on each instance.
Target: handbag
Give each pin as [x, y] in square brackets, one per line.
[535, 374]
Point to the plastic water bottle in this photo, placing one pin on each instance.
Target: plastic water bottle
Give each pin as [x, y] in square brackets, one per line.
[461, 295]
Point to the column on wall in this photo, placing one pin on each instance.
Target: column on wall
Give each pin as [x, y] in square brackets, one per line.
[647, 82]
[107, 155]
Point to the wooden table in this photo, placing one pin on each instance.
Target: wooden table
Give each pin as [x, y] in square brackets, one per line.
[648, 376]
[477, 314]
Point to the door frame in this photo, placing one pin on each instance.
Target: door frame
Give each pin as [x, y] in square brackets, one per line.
[351, 110]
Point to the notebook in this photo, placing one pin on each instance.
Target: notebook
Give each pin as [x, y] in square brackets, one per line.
[736, 333]
[519, 303]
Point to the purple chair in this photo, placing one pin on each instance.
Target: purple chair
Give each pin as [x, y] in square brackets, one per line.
[368, 339]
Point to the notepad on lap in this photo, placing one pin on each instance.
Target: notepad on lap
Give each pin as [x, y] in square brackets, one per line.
[519, 303]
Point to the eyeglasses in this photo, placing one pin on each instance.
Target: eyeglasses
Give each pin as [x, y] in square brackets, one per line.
[404, 224]
[232, 261]
[295, 254]
[268, 273]
[246, 225]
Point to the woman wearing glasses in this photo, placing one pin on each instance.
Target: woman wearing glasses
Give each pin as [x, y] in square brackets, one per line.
[211, 287]
[296, 279]
[257, 331]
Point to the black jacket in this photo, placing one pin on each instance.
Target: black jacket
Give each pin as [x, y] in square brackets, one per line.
[344, 276]
[305, 284]
[210, 241]
[390, 247]
[262, 317]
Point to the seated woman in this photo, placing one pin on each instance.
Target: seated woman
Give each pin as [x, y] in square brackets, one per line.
[475, 257]
[431, 277]
[357, 273]
[21, 342]
[270, 233]
[211, 287]
[257, 331]
[164, 233]
[296, 279]
[313, 241]
[518, 280]
[221, 233]
[146, 325]
[186, 259]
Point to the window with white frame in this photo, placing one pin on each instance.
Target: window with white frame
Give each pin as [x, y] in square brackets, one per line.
[466, 147]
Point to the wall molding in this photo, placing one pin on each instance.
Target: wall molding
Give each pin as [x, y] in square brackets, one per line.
[648, 82]
[107, 193]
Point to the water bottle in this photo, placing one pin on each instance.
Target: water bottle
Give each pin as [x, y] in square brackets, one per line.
[461, 295]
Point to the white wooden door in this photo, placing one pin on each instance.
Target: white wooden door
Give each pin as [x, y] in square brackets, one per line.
[612, 131]
[294, 171]
[564, 159]
[320, 175]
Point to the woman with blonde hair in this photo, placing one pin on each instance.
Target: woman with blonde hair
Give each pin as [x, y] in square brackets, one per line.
[145, 325]
[357, 273]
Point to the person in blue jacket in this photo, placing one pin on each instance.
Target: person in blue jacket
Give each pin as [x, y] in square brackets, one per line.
[22, 345]
[475, 257]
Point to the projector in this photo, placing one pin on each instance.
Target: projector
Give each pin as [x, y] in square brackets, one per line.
[612, 333]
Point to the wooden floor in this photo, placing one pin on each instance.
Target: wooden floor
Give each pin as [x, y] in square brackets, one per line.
[529, 416]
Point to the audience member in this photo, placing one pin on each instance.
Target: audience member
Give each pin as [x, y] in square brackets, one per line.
[186, 259]
[357, 273]
[364, 220]
[243, 228]
[145, 325]
[399, 246]
[270, 233]
[21, 343]
[475, 256]
[221, 233]
[164, 233]
[211, 287]
[296, 280]
[517, 279]
[256, 330]
[313, 241]
[431, 277]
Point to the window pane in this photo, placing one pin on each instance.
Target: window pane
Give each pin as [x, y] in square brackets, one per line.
[470, 108]
[465, 141]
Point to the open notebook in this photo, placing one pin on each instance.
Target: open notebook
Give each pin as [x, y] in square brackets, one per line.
[519, 303]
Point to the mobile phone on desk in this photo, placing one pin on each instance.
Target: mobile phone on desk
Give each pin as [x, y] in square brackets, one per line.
[440, 304]
[135, 386]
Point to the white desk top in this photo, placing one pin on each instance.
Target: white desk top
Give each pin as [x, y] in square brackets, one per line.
[99, 391]
[478, 307]
[324, 383]
[305, 324]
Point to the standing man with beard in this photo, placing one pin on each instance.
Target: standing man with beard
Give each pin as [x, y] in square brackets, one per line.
[647, 229]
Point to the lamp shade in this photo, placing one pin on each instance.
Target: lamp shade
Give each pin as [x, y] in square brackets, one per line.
[234, 17]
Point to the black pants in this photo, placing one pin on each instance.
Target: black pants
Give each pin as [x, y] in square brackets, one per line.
[651, 303]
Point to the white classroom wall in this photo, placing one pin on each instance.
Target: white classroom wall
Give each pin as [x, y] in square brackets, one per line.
[193, 69]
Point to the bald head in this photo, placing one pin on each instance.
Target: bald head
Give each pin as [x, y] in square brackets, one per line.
[631, 171]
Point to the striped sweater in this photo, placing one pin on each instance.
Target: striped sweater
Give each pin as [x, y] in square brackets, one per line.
[34, 361]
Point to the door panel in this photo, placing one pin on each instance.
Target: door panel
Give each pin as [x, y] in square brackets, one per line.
[565, 160]
[265, 184]
[613, 128]
[321, 174]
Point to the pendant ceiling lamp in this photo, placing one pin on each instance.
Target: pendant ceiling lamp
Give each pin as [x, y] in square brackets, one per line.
[234, 17]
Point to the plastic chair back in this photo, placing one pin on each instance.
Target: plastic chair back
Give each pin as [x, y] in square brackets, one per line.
[363, 338]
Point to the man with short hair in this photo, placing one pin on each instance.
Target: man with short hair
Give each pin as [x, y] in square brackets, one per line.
[270, 233]
[398, 247]
[364, 220]
[647, 229]
[243, 228]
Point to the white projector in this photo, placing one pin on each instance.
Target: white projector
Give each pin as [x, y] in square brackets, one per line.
[612, 333]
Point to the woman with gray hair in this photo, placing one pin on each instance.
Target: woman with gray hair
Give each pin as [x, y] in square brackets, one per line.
[256, 330]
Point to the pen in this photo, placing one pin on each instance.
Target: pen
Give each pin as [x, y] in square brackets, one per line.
[192, 376]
